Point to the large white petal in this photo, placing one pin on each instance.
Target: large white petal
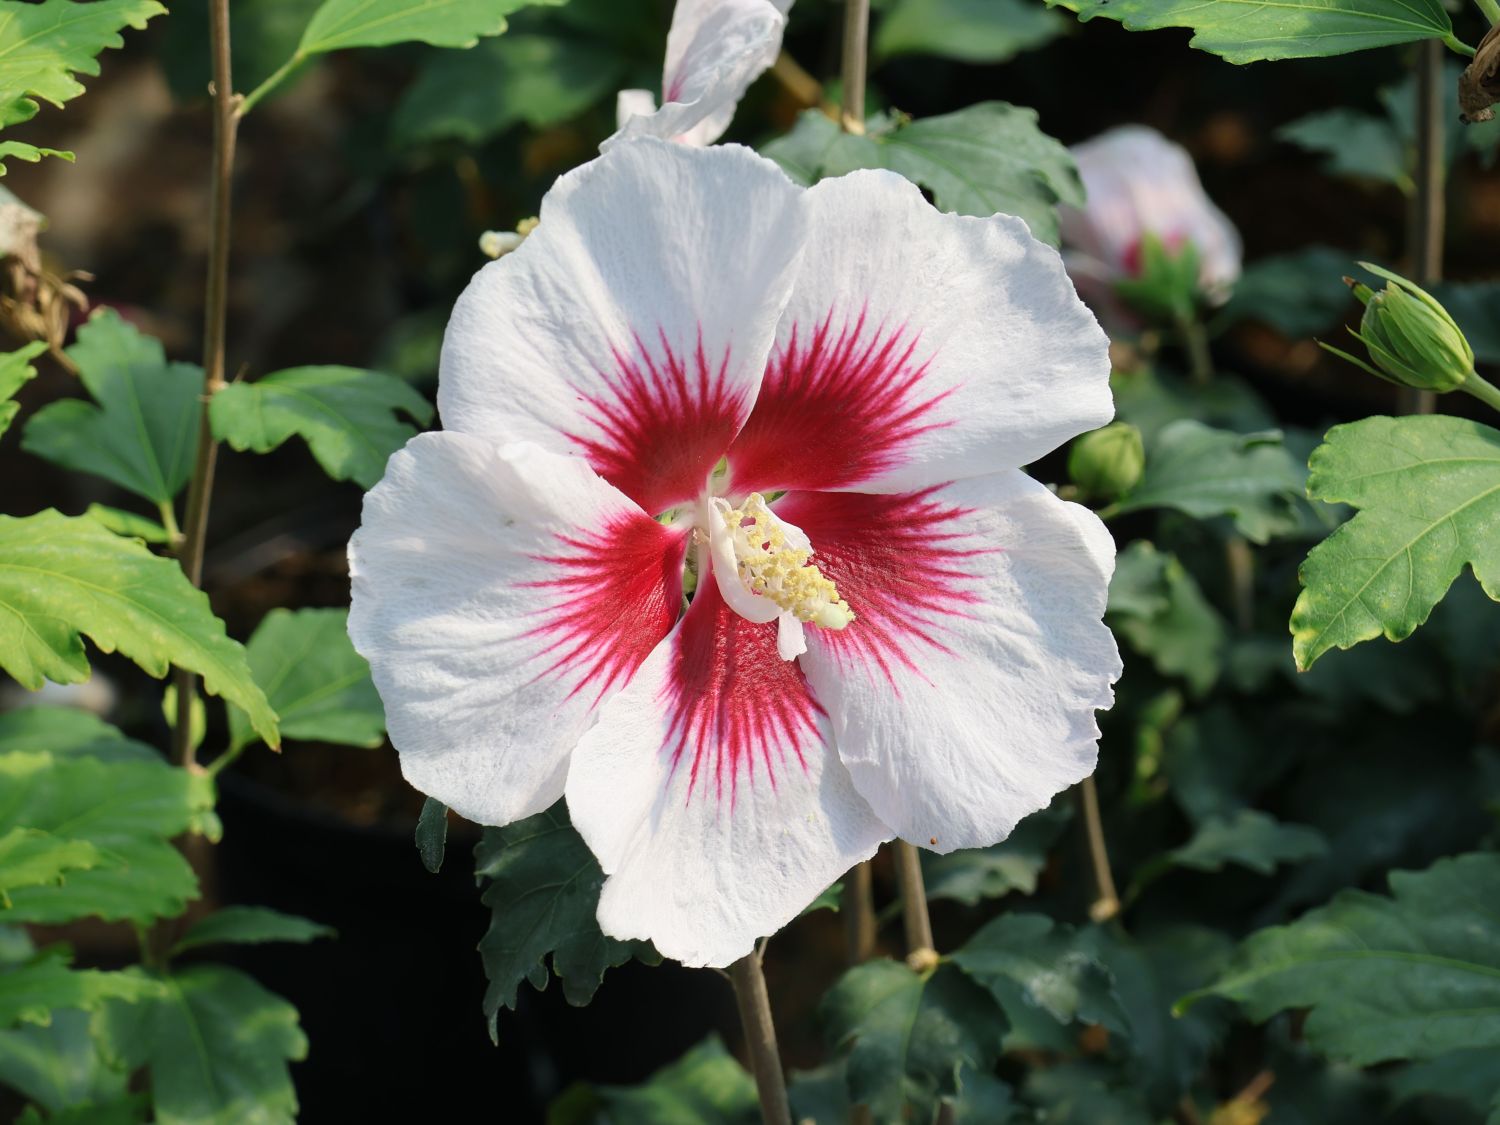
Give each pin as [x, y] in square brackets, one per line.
[963, 694]
[710, 794]
[499, 596]
[919, 347]
[632, 326]
[715, 49]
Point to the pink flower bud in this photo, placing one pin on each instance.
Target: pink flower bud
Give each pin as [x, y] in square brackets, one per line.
[1140, 184]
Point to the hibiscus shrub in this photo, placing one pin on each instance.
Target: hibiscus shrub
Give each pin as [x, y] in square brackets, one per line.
[847, 549]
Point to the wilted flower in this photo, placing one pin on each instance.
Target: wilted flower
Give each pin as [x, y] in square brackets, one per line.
[1142, 187]
[811, 404]
[1410, 336]
[715, 49]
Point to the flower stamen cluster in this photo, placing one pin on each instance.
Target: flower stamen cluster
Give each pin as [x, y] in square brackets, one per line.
[777, 568]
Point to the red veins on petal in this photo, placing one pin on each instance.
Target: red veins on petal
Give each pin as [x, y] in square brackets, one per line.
[903, 563]
[838, 406]
[618, 592]
[662, 425]
[733, 704]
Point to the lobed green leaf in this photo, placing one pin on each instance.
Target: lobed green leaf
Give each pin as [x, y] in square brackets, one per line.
[141, 431]
[908, 1034]
[1410, 976]
[124, 814]
[1203, 473]
[43, 46]
[249, 925]
[216, 1045]
[16, 369]
[1243, 31]
[62, 578]
[543, 894]
[1428, 490]
[347, 416]
[988, 158]
[319, 687]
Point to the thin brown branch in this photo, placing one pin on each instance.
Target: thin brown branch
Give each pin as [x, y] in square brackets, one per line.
[856, 62]
[1429, 210]
[226, 109]
[1106, 897]
[760, 1038]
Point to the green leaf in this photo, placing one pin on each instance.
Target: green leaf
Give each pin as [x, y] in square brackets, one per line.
[1428, 490]
[1298, 294]
[1411, 976]
[984, 1099]
[339, 24]
[15, 369]
[432, 834]
[1250, 839]
[1246, 30]
[1203, 473]
[141, 431]
[65, 732]
[217, 1045]
[704, 1087]
[1085, 1093]
[59, 1065]
[908, 1034]
[1027, 959]
[1150, 971]
[319, 687]
[1152, 400]
[988, 158]
[974, 874]
[975, 31]
[131, 1109]
[1386, 814]
[129, 524]
[1469, 1075]
[1354, 144]
[30, 857]
[127, 811]
[820, 1095]
[543, 895]
[31, 992]
[249, 925]
[61, 577]
[537, 80]
[42, 47]
[31, 154]
[347, 416]
[1157, 606]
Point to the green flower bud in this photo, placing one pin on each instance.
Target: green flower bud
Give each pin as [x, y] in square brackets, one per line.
[1411, 339]
[1107, 463]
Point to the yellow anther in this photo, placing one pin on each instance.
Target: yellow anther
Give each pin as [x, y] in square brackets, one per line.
[781, 570]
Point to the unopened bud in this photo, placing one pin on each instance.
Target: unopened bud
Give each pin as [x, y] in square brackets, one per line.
[1411, 338]
[1108, 463]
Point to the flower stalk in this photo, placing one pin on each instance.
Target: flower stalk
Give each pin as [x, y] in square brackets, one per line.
[226, 110]
[918, 925]
[1106, 898]
[857, 905]
[1429, 213]
[760, 1038]
[856, 51]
